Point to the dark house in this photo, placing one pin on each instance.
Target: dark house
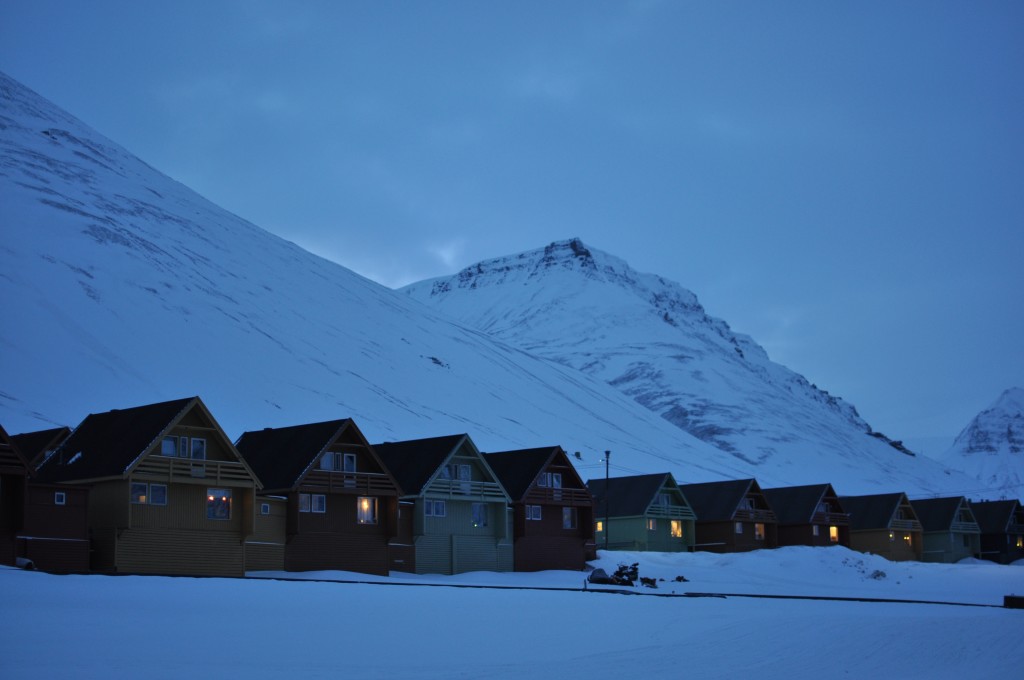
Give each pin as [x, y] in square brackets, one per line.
[552, 510]
[642, 512]
[1002, 530]
[884, 524]
[36, 446]
[340, 505]
[949, 530]
[453, 512]
[13, 484]
[168, 492]
[732, 516]
[809, 515]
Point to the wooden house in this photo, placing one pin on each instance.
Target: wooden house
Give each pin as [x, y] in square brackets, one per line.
[49, 530]
[168, 492]
[884, 524]
[948, 529]
[642, 512]
[37, 446]
[453, 513]
[1002, 530]
[327, 503]
[809, 515]
[732, 516]
[552, 510]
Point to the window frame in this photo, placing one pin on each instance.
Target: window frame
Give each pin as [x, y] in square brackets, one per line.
[370, 512]
[738, 528]
[434, 508]
[173, 439]
[213, 505]
[304, 502]
[134, 496]
[60, 498]
[264, 508]
[760, 531]
[570, 518]
[192, 448]
[652, 524]
[534, 513]
[150, 500]
[345, 458]
[675, 528]
[480, 515]
[318, 500]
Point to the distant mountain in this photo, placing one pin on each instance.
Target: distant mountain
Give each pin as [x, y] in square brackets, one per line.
[991, 447]
[122, 287]
[651, 339]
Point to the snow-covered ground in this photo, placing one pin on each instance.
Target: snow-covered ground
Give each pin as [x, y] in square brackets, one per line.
[154, 627]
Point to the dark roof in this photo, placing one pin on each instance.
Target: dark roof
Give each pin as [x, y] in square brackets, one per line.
[280, 456]
[626, 496]
[11, 458]
[873, 511]
[110, 442]
[34, 445]
[412, 463]
[994, 516]
[798, 504]
[517, 470]
[717, 501]
[937, 514]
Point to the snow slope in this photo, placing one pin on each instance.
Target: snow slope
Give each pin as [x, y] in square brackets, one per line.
[127, 626]
[991, 447]
[651, 339]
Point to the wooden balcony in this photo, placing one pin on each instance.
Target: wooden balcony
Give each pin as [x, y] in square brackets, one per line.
[455, 488]
[755, 515]
[673, 511]
[965, 527]
[1015, 529]
[191, 471]
[542, 495]
[905, 525]
[356, 483]
[836, 518]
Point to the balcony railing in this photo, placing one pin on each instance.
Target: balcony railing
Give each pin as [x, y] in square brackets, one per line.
[675, 511]
[756, 515]
[469, 488]
[549, 495]
[965, 527]
[1016, 529]
[363, 483]
[905, 524]
[837, 518]
[192, 471]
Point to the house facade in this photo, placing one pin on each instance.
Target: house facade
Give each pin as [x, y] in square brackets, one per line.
[949, 530]
[642, 512]
[14, 472]
[327, 502]
[453, 514]
[732, 516]
[168, 492]
[552, 510]
[809, 515]
[884, 524]
[1002, 530]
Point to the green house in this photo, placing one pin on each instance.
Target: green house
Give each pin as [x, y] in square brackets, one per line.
[950, 531]
[642, 512]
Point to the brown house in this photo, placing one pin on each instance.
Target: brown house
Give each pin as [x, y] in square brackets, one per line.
[884, 524]
[168, 492]
[36, 446]
[552, 510]
[1002, 530]
[453, 512]
[809, 515]
[732, 516]
[328, 501]
[13, 484]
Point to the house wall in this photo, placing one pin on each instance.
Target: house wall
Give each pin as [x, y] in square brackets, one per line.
[803, 534]
[631, 533]
[1001, 548]
[12, 508]
[722, 537]
[56, 537]
[401, 548]
[451, 544]
[544, 544]
[950, 546]
[877, 542]
[335, 540]
[264, 549]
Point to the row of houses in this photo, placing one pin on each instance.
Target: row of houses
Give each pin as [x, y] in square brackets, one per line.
[161, 489]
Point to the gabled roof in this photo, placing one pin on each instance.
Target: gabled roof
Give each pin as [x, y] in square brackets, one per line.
[281, 456]
[994, 516]
[627, 496]
[518, 470]
[34, 445]
[874, 511]
[718, 501]
[414, 463]
[937, 514]
[799, 504]
[11, 459]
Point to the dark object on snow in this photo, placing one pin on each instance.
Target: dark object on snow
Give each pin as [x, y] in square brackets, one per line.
[600, 576]
[1013, 601]
[648, 582]
[680, 579]
[627, 575]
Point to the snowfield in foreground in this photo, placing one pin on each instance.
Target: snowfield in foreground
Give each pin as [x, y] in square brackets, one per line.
[99, 626]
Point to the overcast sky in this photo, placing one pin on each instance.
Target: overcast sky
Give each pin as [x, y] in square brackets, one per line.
[842, 181]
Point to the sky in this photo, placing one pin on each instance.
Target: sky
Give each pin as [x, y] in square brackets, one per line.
[841, 181]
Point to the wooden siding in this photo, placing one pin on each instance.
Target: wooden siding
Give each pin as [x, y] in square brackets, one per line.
[541, 553]
[401, 550]
[722, 537]
[264, 556]
[186, 509]
[56, 537]
[877, 542]
[180, 552]
[56, 555]
[264, 549]
[803, 534]
[366, 554]
[12, 509]
[108, 505]
[950, 546]
[631, 533]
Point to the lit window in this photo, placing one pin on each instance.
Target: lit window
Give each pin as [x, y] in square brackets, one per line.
[814, 530]
[434, 508]
[366, 510]
[139, 492]
[652, 525]
[676, 528]
[739, 527]
[198, 449]
[533, 512]
[169, 446]
[758, 531]
[218, 504]
[319, 503]
[303, 502]
[568, 518]
[906, 539]
[264, 508]
[833, 534]
[158, 494]
[599, 527]
[1020, 541]
[59, 498]
[479, 514]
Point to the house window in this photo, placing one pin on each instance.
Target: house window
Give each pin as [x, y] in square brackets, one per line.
[664, 500]
[318, 503]
[169, 447]
[182, 447]
[349, 462]
[148, 494]
[599, 527]
[330, 461]
[747, 504]
[652, 524]
[1020, 541]
[366, 510]
[158, 494]
[568, 518]
[906, 539]
[739, 527]
[814, 529]
[264, 508]
[824, 507]
[434, 508]
[218, 504]
[758, 531]
[676, 528]
[198, 449]
[140, 493]
[303, 502]
[892, 537]
[550, 479]
[479, 514]
[833, 534]
[533, 512]
[59, 498]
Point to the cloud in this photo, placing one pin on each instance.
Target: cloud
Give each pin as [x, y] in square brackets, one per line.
[448, 253]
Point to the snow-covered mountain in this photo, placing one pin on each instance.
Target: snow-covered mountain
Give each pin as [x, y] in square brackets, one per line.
[123, 287]
[651, 339]
[991, 447]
